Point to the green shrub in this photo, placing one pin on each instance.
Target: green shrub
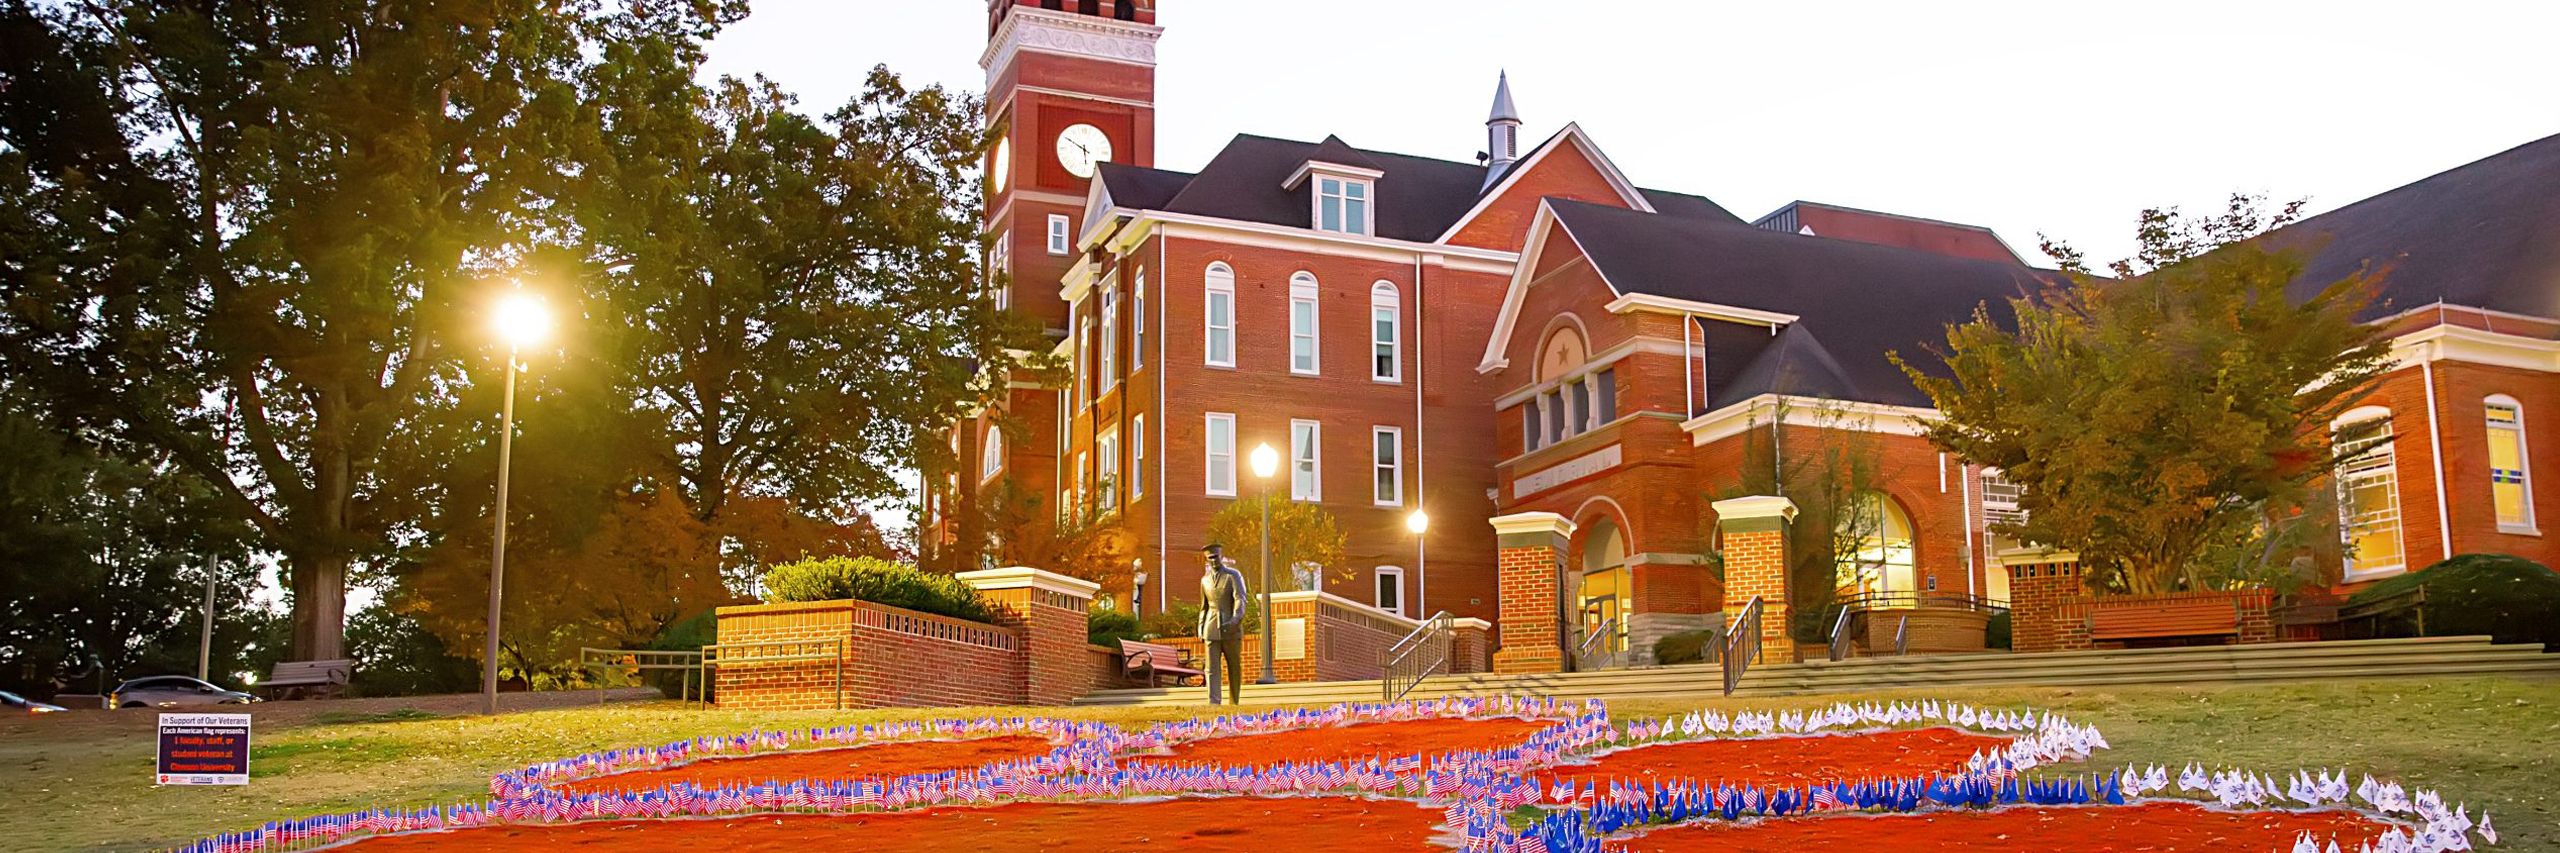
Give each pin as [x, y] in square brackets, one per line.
[1104, 627]
[2510, 598]
[1683, 647]
[877, 581]
[1995, 632]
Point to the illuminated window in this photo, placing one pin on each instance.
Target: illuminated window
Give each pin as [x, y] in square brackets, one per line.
[2510, 486]
[2368, 485]
[1880, 557]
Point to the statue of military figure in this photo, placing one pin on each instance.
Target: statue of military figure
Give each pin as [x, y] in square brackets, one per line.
[1222, 603]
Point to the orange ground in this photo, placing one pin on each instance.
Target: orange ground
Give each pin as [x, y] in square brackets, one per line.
[886, 759]
[1245, 825]
[2150, 828]
[1789, 760]
[1362, 741]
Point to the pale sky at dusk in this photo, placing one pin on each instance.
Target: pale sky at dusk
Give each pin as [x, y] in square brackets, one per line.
[2065, 118]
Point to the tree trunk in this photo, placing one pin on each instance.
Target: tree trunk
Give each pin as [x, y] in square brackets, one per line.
[319, 606]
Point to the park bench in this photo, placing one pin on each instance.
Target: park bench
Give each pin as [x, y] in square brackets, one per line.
[309, 679]
[2149, 619]
[1153, 659]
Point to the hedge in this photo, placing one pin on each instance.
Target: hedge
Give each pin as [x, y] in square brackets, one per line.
[877, 581]
[2510, 598]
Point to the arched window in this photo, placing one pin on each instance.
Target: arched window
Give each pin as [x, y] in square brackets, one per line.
[1576, 397]
[1878, 557]
[1386, 333]
[2368, 483]
[990, 453]
[2510, 483]
[1302, 323]
[1219, 306]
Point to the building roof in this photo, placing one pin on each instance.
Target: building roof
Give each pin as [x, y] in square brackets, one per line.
[1855, 301]
[1502, 108]
[2485, 234]
[1418, 198]
[1892, 229]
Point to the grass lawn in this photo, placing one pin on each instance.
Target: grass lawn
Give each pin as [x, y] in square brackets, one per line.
[83, 781]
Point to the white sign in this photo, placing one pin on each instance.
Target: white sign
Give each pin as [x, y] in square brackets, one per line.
[203, 749]
[1565, 472]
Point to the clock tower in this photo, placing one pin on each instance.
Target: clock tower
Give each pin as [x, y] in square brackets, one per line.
[1070, 84]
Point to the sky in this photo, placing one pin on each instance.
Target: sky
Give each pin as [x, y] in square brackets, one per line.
[2060, 118]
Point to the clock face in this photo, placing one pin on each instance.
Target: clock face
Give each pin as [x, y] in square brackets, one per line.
[1000, 171]
[1080, 147]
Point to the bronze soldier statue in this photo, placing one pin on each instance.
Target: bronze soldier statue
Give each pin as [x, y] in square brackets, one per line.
[1222, 602]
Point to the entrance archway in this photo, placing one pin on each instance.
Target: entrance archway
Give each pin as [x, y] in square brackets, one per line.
[1603, 589]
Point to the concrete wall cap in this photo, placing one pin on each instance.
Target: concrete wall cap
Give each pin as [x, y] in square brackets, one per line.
[1016, 577]
[1471, 622]
[1532, 522]
[1756, 506]
[2028, 555]
[1339, 601]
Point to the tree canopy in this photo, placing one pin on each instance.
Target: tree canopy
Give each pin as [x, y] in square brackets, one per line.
[2182, 404]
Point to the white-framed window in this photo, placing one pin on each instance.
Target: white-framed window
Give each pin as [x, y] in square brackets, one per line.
[2510, 480]
[1081, 496]
[1082, 356]
[1306, 575]
[1306, 460]
[1218, 305]
[1219, 440]
[1574, 406]
[1110, 342]
[1106, 450]
[990, 453]
[1061, 234]
[1302, 323]
[2368, 484]
[1390, 590]
[1386, 458]
[1386, 333]
[1137, 457]
[1342, 205]
[1138, 322]
[2000, 498]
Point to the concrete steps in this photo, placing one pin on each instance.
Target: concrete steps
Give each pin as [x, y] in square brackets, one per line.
[2262, 663]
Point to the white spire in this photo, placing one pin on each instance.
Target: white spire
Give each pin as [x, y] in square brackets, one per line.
[1502, 131]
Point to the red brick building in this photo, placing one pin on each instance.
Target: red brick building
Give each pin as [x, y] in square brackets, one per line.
[1533, 332]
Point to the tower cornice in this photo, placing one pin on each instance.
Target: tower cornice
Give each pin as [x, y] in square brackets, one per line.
[1067, 34]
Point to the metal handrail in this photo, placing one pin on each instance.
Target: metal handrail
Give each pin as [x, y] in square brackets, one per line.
[1907, 600]
[1841, 635]
[1582, 651]
[1743, 644]
[1420, 654]
[1902, 637]
[689, 662]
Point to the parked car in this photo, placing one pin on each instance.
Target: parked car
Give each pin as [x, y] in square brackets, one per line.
[171, 691]
[16, 702]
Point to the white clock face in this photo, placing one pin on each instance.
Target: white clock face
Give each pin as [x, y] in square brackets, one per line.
[1080, 147]
[1000, 171]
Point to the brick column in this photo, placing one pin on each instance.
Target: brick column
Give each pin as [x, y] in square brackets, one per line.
[1531, 564]
[1755, 564]
[1048, 610]
[2041, 584]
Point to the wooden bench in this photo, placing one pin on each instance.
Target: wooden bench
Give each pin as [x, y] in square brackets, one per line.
[1155, 660]
[309, 679]
[2137, 620]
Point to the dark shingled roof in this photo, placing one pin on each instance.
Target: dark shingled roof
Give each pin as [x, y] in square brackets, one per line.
[2485, 234]
[1139, 187]
[1418, 198]
[1861, 300]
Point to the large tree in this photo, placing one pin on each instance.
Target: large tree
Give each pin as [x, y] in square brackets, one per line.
[249, 235]
[2164, 411]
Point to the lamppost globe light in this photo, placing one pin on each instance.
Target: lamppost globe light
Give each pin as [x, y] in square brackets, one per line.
[1417, 522]
[1265, 460]
[521, 319]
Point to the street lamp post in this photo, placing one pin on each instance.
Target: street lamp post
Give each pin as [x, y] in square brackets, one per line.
[1265, 461]
[521, 320]
[1418, 522]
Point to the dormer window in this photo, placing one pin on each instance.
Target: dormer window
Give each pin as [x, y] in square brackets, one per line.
[1342, 205]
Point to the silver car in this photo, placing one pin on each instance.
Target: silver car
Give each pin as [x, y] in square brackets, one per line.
[173, 691]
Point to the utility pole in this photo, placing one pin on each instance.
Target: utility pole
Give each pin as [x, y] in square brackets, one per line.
[204, 646]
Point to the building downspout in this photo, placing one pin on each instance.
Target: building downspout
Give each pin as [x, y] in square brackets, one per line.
[2435, 459]
[1164, 481]
[1964, 479]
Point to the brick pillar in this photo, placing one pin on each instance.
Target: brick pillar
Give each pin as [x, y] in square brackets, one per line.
[2041, 584]
[1470, 644]
[1755, 564]
[1531, 570]
[1047, 610]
